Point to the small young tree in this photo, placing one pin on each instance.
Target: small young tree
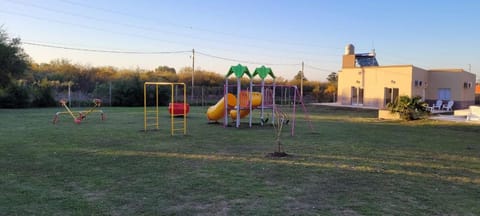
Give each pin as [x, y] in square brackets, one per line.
[409, 108]
[280, 119]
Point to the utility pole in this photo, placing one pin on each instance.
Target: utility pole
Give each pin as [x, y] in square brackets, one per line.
[193, 71]
[69, 96]
[301, 82]
[110, 93]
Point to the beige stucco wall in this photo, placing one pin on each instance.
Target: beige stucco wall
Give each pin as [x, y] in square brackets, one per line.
[419, 75]
[453, 79]
[375, 79]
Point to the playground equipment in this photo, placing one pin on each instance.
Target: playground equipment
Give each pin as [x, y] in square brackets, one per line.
[247, 100]
[217, 111]
[175, 109]
[79, 116]
[178, 109]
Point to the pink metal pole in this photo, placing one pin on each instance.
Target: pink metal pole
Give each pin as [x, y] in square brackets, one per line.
[294, 109]
[225, 101]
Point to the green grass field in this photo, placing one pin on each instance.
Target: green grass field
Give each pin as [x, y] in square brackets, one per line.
[351, 164]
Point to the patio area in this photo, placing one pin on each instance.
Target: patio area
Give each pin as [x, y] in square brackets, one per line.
[463, 115]
[441, 115]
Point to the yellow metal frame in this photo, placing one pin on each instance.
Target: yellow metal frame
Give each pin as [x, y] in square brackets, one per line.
[172, 101]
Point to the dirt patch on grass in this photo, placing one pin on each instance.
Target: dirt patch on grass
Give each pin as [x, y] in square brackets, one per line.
[277, 155]
[217, 208]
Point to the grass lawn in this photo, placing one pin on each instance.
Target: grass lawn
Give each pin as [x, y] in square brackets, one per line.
[350, 164]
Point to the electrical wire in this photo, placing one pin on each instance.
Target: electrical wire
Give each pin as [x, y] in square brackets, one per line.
[236, 35]
[243, 61]
[317, 68]
[105, 51]
[169, 52]
[153, 29]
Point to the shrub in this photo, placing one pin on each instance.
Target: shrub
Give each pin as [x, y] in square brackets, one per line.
[43, 97]
[409, 108]
[14, 96]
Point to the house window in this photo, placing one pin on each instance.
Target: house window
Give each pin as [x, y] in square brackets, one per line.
[391, 94]
[444, 94]
[418, 83]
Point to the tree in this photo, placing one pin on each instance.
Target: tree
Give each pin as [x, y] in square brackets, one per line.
[332, 85]
[331, 90]
[299, 76]
[13, 60]
[13, 64]
[42, 93]
[332, 77]
[165, 69]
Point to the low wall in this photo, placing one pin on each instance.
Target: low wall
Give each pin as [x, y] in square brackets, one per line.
[388, 115]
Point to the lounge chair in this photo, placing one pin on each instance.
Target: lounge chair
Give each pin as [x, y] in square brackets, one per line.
[437, 105]
[448, 106]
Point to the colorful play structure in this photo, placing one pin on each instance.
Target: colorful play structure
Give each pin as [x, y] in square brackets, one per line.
[246, 100]
[178, 110]
[79, 116]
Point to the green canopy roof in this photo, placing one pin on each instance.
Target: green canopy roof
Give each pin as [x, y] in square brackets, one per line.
[239, 71]
[263, 72]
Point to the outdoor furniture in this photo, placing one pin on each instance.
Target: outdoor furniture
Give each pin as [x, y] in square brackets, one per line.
[437, 105]
[474, 114]
[448, 106]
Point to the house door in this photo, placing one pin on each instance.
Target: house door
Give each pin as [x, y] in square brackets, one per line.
[444, 94]
[360, 96]
[357, 96]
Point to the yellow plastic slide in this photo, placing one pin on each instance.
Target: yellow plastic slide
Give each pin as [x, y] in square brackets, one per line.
[244, 97]
[217, 111]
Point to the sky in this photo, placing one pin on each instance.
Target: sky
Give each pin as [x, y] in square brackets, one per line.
[280, 34]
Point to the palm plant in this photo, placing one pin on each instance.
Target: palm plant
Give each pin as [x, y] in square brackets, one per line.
[409, 108]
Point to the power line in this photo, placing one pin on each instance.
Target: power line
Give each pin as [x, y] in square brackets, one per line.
[168, 52]
[108, 31]
[317, 68]
[120, 13]
[243, 61]
[105, 51]
[153, 29]
[87, 27]
[236, 35]
[151, 53]
[139, 27]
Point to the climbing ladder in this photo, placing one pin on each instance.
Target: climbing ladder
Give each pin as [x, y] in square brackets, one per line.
[151, 116]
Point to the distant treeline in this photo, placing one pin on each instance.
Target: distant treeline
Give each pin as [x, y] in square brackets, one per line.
[27, 84]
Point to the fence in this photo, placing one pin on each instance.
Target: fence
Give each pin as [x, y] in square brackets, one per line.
[110, 94]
